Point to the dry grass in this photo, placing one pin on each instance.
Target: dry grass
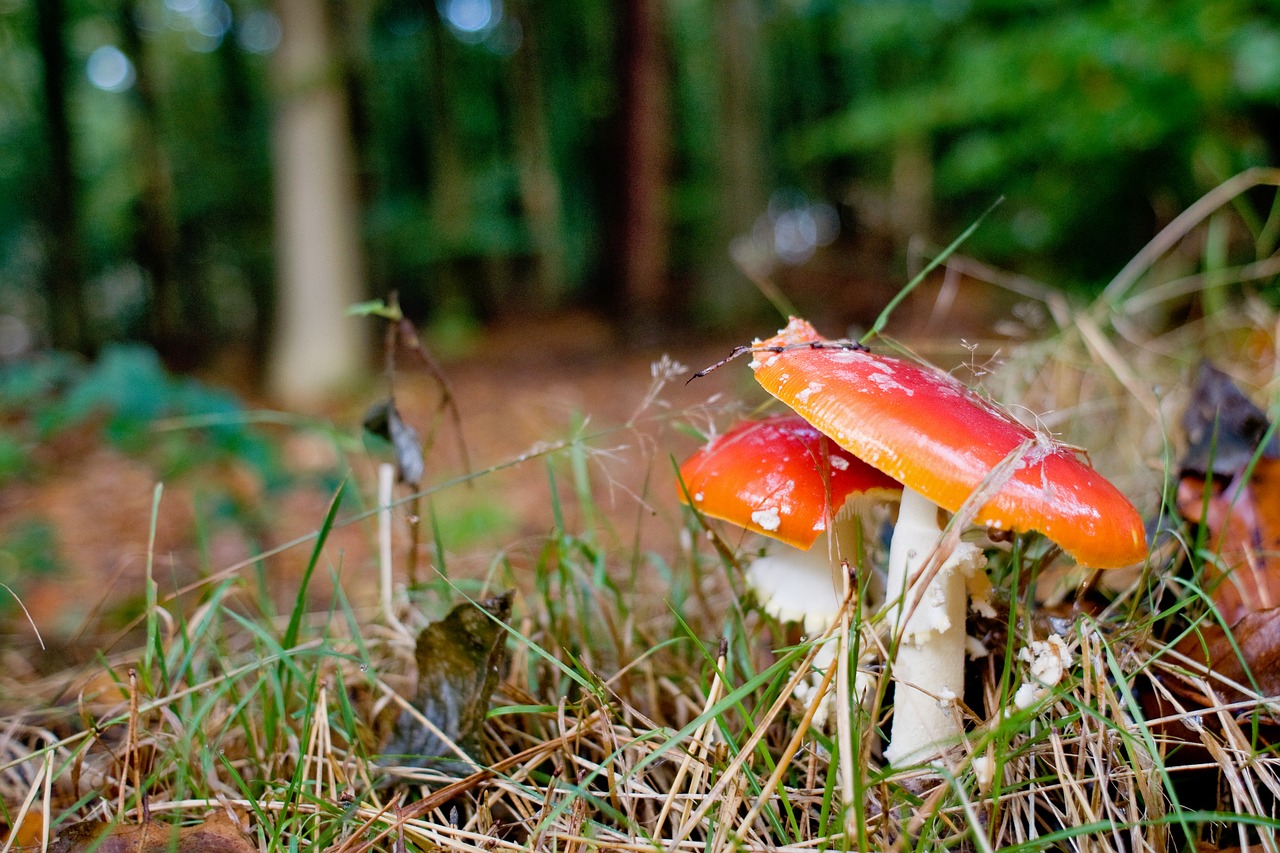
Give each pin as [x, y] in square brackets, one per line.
[630, 726]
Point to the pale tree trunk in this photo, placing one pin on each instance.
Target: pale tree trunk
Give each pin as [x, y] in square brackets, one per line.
[320, 270]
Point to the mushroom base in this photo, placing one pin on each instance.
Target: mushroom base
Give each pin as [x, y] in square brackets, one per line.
[928, 669]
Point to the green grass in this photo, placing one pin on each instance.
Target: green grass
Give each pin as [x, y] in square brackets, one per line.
[647, 703]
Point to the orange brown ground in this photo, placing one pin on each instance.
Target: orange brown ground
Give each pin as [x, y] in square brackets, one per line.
[521, 387]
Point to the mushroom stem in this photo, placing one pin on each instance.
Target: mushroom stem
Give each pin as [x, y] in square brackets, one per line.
[929, 667]
[800, 586]
[796, 586]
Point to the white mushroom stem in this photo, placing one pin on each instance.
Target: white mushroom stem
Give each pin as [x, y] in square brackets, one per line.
[929, 668]
[800, 586]
[796, 586]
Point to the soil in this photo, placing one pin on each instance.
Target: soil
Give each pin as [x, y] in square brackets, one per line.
[522, 391]
[519, 392]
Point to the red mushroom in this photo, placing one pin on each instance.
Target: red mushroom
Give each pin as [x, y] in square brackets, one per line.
[779, 476]
[943, 442]
[783, 478]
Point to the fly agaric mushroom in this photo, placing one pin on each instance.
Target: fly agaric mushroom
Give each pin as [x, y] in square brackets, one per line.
[779, 476]
[783, 478]
[942, 442]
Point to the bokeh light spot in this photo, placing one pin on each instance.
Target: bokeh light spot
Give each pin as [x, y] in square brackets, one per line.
[259, 32]
[469, 16]
[109, 69]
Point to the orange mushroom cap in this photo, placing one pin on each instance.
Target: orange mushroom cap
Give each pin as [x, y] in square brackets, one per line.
[779, 476]
[929, 432]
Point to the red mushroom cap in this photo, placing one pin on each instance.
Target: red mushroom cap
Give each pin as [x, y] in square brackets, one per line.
[778, 476]
[928, 431]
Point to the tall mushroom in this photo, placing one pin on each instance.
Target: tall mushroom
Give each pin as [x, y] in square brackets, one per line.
[783, 478]
[942, 442]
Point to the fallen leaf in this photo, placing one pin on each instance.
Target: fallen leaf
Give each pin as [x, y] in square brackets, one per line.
[460, 659]
[383, 421]
[1243, 523]
[1255, 666]
[28, 834]
[217, 834]
[1230, 483]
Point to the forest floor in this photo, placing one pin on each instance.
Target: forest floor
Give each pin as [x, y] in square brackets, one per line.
[566, 493]
[520, 388]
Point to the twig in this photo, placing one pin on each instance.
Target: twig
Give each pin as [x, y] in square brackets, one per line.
[1180, 227]
[713, 696]
[386, 482]
[854, 346]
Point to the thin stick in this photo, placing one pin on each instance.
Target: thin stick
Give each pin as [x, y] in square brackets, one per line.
[844, 708]
[1179, 228]
[386, 482]
[409, 337]
[845, 344]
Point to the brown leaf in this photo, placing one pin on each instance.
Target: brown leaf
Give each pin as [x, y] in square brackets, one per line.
[27, 834]
[459, 662]
[1257, 635]
[1230, 483]
[217, 834]
[1243, 521]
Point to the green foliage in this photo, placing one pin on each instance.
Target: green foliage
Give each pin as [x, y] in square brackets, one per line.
[490, 163]
[1084, 115]
[55, 407]
[122, 397]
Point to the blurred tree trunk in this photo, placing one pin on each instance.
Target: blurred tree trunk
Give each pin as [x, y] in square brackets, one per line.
[68, 323]
[911, 189]
[320, 269]
[741, 149]
[244, 129]
[449, 200]
[174, 321]
[539, 183]
[647, 298]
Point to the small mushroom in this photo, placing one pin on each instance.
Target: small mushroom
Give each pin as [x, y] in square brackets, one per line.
[943, 442]
[783, 478]
[778, 476]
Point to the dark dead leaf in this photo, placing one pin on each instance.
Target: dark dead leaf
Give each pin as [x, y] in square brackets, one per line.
[217, 834]
[1230, 484]
[1224, 428]
[1258, 662]
[459, 659]
[383, 421]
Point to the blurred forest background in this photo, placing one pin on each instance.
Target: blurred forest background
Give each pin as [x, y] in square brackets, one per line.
[211, 174]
